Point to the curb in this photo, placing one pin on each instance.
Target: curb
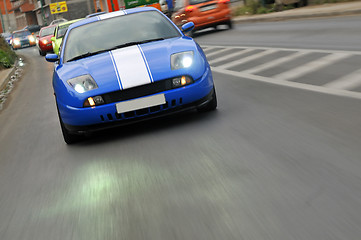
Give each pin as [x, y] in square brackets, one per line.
[265, 18]
[7, 78]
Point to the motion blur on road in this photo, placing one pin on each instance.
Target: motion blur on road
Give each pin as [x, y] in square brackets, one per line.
[280, 159]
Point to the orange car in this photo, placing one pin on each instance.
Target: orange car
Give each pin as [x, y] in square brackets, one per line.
[203, 13]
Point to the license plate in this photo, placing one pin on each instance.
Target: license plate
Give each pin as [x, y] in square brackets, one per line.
[207, 8]
[26, 45]
[140, 103]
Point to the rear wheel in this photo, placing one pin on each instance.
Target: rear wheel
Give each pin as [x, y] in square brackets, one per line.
[230, 24]
[211, 105]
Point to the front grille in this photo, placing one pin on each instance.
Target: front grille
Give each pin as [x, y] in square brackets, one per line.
[25, 41]
[136, 92]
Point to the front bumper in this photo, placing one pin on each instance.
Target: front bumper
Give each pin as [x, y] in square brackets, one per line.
[79, 120]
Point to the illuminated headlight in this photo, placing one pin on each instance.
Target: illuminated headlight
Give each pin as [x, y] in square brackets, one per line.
[181, 81]
[16, 42]
[83, 83]
[181, 60]
[45, 41]
[94, 101]
[31, 39]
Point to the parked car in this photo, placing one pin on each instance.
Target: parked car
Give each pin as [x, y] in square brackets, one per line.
[44, 39]
[203, 13]
[60, 30]
[106, 75]
[57, 21]
[22, 38]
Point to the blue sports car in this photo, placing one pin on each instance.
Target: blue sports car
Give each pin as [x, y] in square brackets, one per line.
[126, 66]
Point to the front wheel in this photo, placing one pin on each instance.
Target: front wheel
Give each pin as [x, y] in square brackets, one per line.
[69, 138]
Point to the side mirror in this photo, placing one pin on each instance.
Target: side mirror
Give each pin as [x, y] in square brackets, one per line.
[52, 57]
[187, 27]
[52, 39]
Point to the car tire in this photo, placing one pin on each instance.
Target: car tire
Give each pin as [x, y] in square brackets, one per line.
[41, 53]
[230, 24]
[211, 105]
[69, 138]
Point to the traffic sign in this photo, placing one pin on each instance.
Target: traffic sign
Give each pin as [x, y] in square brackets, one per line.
[58, 7]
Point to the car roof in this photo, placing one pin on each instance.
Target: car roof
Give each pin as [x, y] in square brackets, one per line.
[69, 22]
[23, 30]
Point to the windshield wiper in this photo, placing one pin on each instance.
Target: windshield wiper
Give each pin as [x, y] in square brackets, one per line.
[135, 43]
[88, 54]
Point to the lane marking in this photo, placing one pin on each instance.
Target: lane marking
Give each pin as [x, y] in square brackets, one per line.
[311, 66]
[284, 49]
[276, 62]
[247, 59]
[230, 56]
[216, 52]
[348, 82]
[313, 88]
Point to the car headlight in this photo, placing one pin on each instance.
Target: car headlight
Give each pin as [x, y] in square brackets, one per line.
[181, 60]
[16, 42]
[83, 83]
[31, 39]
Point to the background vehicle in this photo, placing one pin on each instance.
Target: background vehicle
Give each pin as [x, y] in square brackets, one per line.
[60, 30]
[57, 21]
[22, 38]
[203, 13]
[32, 28]
[44, 39]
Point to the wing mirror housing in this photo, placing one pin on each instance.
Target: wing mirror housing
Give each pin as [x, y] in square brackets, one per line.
[187, 27]
[52, 57]
[52, 39]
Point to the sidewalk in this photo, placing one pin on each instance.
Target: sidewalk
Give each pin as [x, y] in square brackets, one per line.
[324, 10]
[5, 76]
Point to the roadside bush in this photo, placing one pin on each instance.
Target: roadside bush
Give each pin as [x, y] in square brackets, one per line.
[252, 7]
[7, 55]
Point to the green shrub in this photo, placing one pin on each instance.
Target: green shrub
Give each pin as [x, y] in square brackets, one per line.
[7, 55]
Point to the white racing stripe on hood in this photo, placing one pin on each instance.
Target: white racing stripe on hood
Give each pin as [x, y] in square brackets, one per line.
[131, 67]
[111, 15]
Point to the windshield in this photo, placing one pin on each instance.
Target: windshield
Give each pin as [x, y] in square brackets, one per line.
[112, 32]
[21, 34]
[62, 30]
[47, 31]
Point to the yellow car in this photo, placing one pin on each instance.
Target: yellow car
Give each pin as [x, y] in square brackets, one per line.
[59, 33]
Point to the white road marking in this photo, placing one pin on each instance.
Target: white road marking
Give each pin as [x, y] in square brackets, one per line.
[348, 82]
[217, 52]
[247, 59]
[276, 62]
[284, 49]
[230, 56]
[313, 88]
[311, 66]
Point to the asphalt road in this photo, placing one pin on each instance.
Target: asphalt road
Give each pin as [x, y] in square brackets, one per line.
[273, 162]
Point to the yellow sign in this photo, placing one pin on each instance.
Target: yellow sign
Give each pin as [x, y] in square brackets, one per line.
[58, 7]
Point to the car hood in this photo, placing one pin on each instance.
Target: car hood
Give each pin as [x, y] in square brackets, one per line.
[135, 65]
